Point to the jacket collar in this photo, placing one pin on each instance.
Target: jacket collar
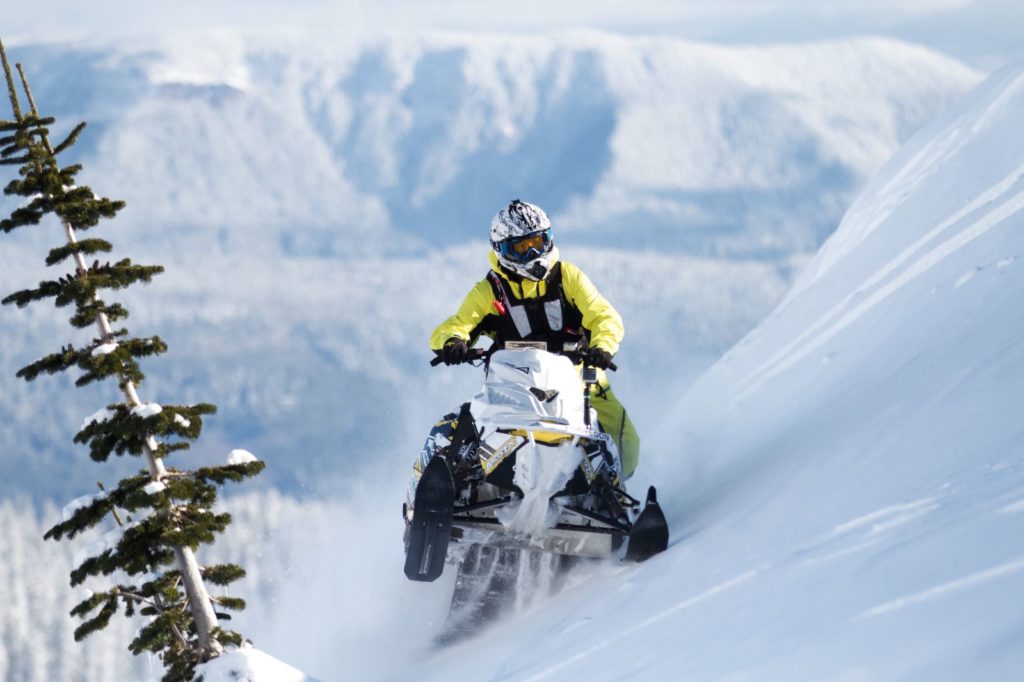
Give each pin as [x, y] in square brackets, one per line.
[521, 286]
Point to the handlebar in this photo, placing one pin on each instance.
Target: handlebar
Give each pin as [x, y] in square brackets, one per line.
[476, 354]
[473, 355]
[578, 358]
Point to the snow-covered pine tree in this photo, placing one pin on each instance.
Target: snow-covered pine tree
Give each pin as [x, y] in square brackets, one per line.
[162, 514]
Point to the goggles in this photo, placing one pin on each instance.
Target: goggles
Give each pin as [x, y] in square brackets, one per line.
[528, 247]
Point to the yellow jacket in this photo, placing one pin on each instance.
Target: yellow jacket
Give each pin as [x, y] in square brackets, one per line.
[599, 317]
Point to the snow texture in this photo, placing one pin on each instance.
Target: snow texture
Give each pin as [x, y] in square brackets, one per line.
[858, 519]
[106, 542]
[80, 503]
[241, 457]
[155, 487]
[104, 349]
[147, 410]
[103, 415]
[248, 664]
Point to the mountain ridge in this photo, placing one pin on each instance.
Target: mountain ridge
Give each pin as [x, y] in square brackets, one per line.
[291, 197]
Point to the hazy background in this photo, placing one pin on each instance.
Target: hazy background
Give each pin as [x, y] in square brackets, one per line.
[318, 179]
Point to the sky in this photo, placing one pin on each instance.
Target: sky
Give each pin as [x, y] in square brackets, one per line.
[985, 33]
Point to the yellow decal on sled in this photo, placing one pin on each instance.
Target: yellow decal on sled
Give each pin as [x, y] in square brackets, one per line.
[547, 437]
[490, 457]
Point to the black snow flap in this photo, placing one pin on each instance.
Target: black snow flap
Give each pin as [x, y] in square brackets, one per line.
[431, 525]
[650, 531]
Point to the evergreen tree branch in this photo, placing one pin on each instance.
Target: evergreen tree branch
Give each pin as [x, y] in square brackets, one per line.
[223, 574]
[86, 247]
[80, 288]
[17, 161]
[50, 364]
[99, 621]
[113, 510]
[88, 314]
[70, 140]
[230, 472]
[233, 603]
[29, 214]
[126, 432]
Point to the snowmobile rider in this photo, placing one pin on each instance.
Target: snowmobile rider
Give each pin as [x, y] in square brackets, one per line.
[531, 295]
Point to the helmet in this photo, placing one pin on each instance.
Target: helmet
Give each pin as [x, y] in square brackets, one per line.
[521, 237]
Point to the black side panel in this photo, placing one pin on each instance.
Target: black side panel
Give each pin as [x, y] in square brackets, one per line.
[431, 526]
[462, 453]
[650, 531]
[504, 475]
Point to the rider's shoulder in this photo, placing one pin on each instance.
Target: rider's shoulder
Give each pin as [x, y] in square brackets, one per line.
[571, 273]
[569, 267]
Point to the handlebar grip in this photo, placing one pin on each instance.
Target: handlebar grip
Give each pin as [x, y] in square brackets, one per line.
[578, 358]
[474, 354]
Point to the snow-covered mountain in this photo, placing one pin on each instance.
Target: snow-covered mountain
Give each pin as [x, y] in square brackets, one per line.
[320, 207]
[297, 150]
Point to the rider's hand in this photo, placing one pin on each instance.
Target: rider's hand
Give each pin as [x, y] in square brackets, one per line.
[597, 357]
[454, 351]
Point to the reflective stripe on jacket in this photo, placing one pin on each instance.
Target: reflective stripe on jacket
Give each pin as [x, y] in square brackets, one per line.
[599, 317]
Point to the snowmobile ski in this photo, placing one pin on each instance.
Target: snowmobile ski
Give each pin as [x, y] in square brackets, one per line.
[650, 531]
[431, 525]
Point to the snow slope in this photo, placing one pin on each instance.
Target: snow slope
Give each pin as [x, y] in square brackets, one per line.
[247, 664]
[296, 191]
[846, 486]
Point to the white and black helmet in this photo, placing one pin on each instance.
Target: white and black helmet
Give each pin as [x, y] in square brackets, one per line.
[521, 237]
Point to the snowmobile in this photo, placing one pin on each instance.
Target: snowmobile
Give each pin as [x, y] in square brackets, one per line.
[526, 467]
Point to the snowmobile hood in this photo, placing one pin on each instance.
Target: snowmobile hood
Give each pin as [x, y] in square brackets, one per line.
[522, 287]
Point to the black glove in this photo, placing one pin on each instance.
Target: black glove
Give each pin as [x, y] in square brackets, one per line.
[454, 351]
[597, 357]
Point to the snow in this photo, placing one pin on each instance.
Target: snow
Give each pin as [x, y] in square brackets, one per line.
[248, 664]
[106, 542]
[858, 519]
[80, 503]
[241, 457]
[104, 349]
[103, 415]
[154, 487]
[147, 410]
[178, 419]
[943, 590]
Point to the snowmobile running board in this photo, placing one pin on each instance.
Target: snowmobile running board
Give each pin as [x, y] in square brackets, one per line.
[431, 527]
